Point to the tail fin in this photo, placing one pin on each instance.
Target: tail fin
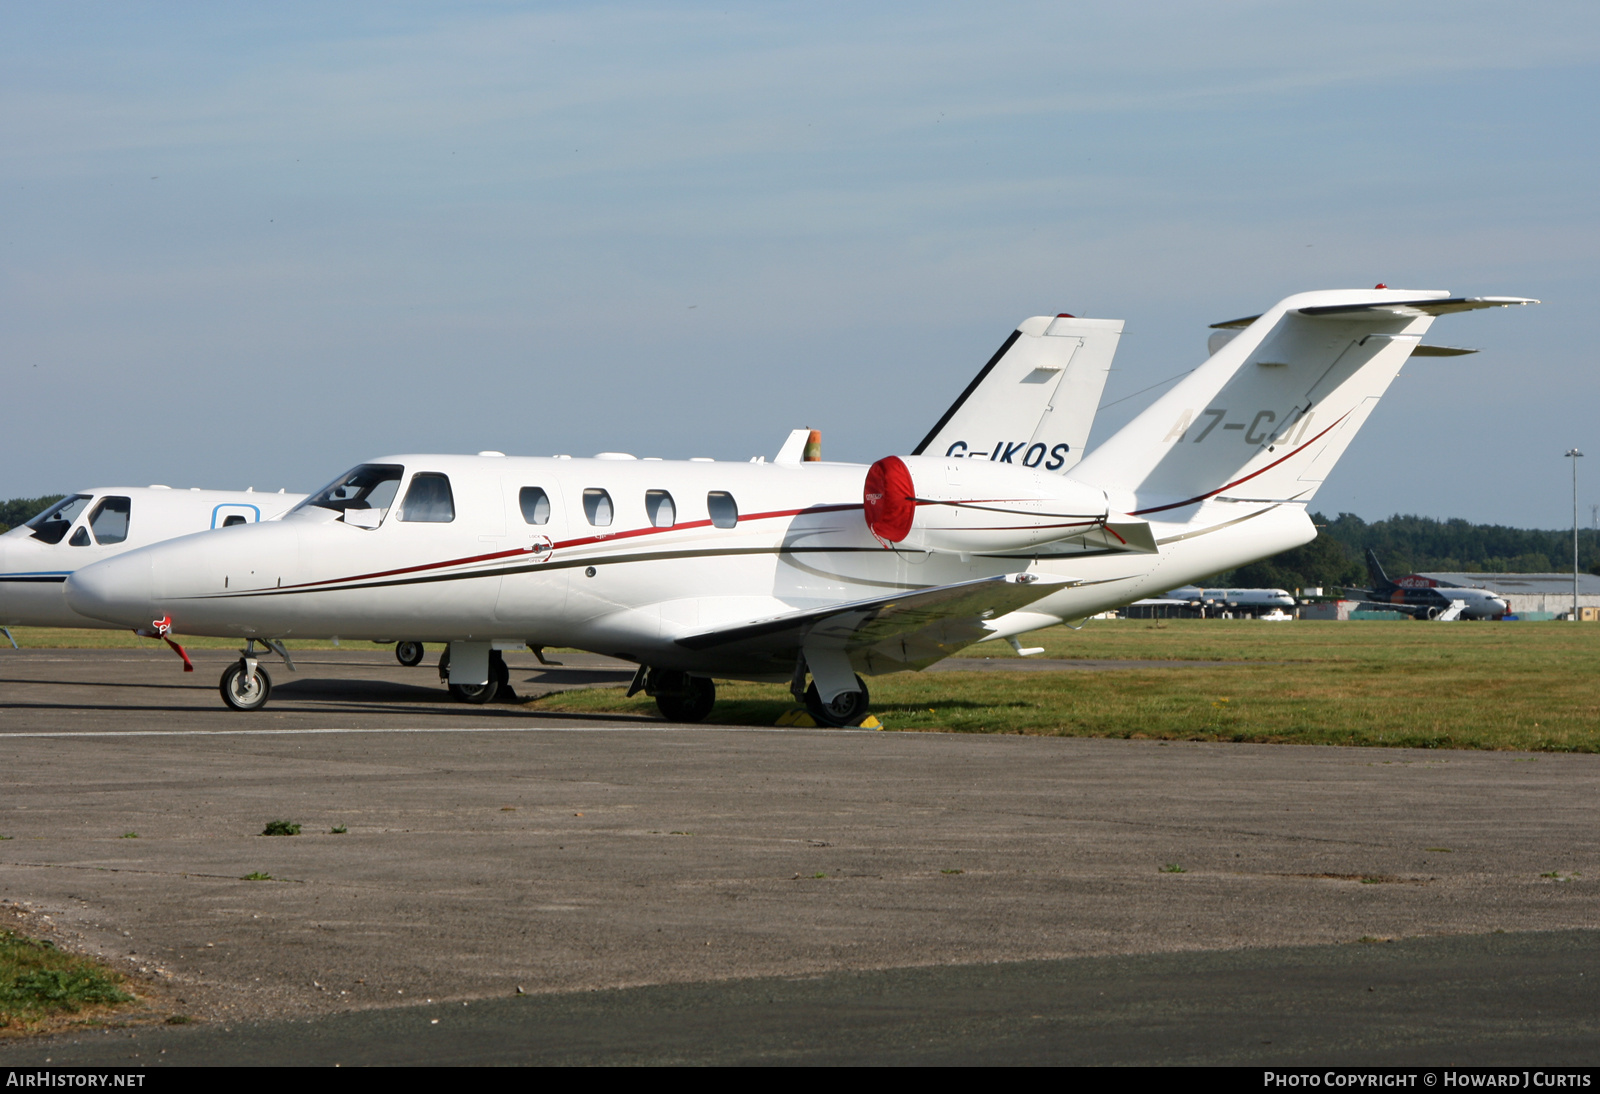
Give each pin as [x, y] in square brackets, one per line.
[1380, 580]
[1272, 410]
[1035, 401]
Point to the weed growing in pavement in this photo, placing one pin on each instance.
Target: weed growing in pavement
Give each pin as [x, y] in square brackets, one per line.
[337, 830]
[257, 876]
[39, 981]
[281, 828]
[1173, 868]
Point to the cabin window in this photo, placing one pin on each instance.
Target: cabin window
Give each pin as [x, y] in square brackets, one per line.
[658, 504]
[597, 507]
[80, 538]
[110, 520]
[52, 524]
[428, 499]
[724, 510]
[370, 486]
[535, 505]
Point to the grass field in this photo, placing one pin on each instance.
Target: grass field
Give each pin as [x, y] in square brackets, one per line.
[1529, 686]
[1423, 685]
[40, 985]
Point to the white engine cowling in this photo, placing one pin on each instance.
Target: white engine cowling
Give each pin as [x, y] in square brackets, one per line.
[958, 506]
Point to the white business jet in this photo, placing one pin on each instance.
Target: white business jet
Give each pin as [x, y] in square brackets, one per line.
[792, 569]
[36, 557]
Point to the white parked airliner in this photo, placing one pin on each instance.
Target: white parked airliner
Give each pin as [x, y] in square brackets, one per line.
[787, 570]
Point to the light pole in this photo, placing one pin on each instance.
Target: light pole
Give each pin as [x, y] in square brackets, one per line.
[1574, 454]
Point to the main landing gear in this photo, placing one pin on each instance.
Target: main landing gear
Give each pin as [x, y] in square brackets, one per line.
[499, 682]
[408, 654]
[245, 684]
[684, 698]
[848, 708]
[679, 696]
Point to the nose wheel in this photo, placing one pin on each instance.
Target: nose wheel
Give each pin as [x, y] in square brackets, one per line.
[408, 654]
[245, 685]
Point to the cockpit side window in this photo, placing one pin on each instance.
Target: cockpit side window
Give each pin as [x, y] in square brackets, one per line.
[535, 505]
[80, 538]
[370, 486]
[110, 520]
[428, 499]
[52, 524]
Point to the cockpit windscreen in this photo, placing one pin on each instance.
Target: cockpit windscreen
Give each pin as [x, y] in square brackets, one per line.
[370, 486]
[53, 523]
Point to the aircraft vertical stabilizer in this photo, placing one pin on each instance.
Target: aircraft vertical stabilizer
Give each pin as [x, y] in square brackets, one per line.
[1271, 412]
[1035, 401]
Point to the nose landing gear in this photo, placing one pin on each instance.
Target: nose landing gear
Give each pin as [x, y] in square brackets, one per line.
[245, 685]
[408, 654]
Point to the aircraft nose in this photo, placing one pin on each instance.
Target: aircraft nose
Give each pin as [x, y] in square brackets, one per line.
[117, 590]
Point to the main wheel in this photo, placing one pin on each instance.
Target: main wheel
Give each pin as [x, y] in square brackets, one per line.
[692, 703]
[408, 654]
[478, 694]
[245, 692]
[847, 709]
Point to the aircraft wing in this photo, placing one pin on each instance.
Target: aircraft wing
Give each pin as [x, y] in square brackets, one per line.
[908, 630]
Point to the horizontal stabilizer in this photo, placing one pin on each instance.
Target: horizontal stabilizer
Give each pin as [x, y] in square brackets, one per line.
[1422, 307]
[1416, 307]
[887, 634]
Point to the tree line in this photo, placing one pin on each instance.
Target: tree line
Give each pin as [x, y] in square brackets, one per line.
[1412, 544]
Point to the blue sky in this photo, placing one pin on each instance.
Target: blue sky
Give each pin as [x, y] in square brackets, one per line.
[253, 246]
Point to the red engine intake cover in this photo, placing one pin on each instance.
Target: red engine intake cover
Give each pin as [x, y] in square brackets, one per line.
[889, 500]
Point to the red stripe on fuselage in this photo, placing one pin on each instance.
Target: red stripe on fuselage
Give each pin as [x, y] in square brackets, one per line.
[580, 542]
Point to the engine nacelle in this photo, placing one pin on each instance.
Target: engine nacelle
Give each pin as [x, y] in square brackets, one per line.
[957, 506]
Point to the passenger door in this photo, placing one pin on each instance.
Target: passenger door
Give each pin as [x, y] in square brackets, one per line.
[533, 591]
